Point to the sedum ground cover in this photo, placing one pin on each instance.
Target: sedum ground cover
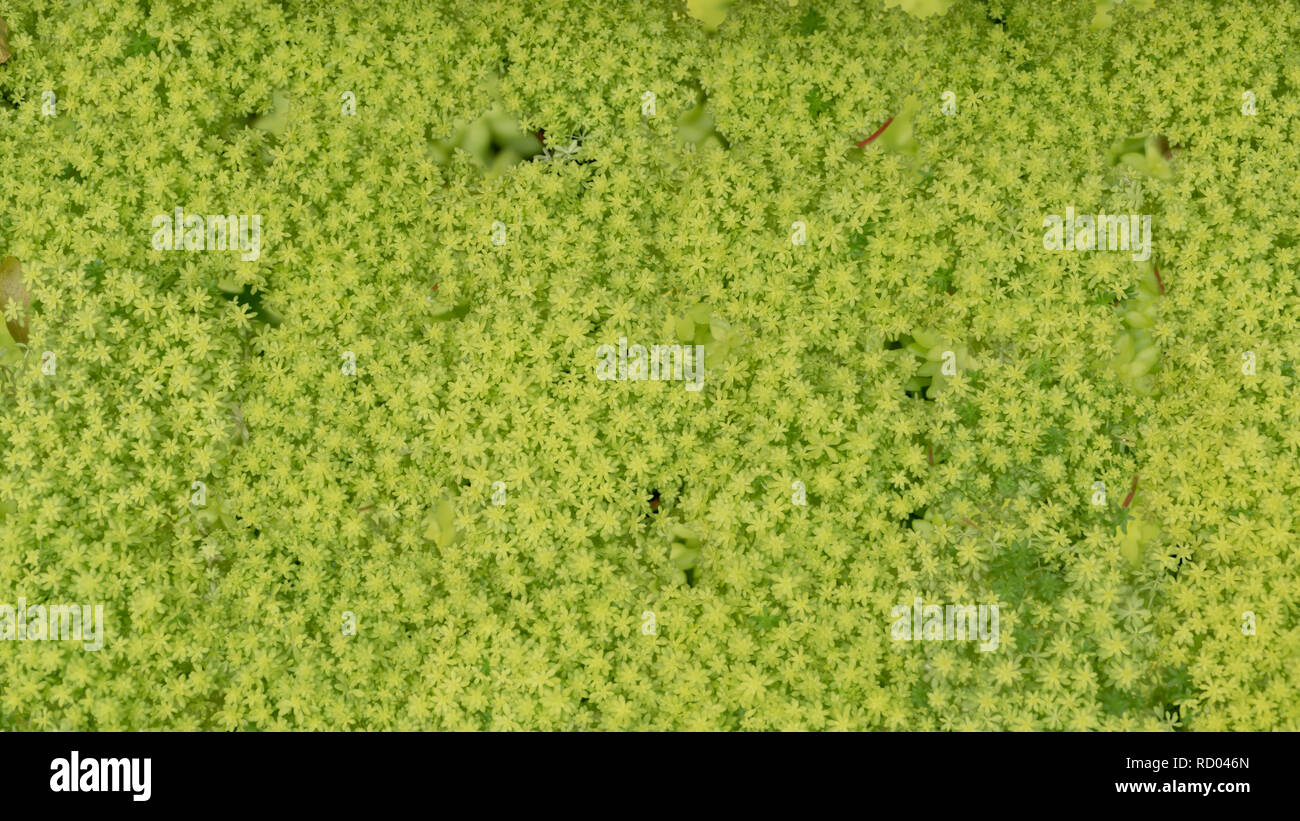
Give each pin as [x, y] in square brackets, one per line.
[370, 479]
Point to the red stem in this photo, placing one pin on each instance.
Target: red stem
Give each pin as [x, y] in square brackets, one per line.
[1159, 282]
[879, 131]
[1132, 490]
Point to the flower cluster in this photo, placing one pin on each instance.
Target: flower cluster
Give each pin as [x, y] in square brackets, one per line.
[369, 479]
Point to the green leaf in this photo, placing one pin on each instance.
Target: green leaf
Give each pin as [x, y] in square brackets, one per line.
[276, 120]
[139, 43]
[811, 22]
[816, 103]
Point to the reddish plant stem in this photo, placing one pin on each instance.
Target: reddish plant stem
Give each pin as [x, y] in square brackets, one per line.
[1129, 498]
[972, 524]
[879, 131]
[367, 507]
[930, 452]
[1159, 281]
